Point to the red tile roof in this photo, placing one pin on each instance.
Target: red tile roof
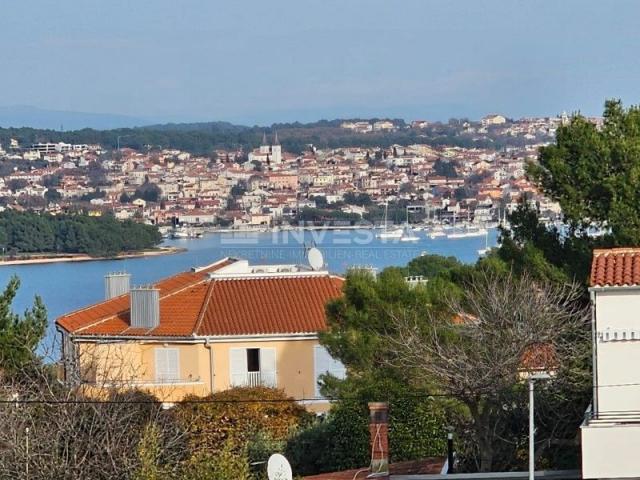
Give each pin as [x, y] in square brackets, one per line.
[539, 357]
[191, 304]
[615, 267]
[268, 305]
[115, 312]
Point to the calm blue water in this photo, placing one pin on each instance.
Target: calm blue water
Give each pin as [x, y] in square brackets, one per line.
[68, 286]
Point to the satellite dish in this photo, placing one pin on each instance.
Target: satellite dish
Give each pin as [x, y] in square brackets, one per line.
[315, 258]
[278, 468]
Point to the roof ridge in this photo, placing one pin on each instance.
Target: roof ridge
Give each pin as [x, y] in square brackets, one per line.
[204, 307]
[605, 251]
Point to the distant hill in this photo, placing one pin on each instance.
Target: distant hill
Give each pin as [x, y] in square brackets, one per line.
[204, 137]
[27, 116]
[206, 127]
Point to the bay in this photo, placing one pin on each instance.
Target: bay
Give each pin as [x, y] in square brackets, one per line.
[65, 287]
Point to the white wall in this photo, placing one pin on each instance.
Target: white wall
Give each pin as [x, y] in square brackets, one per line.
[618, 362]
[610, 451]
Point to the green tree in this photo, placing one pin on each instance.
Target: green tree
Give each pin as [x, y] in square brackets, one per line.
[417, 426]
[594, 173]
[445, 168]
[100, 236]
[454, 333]
[52, 195]
[20, 335]
[149, 192]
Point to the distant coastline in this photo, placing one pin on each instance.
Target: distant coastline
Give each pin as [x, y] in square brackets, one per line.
[36, 259]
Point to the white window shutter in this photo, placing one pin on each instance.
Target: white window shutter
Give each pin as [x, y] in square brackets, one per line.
[324, 363]
[167, 365]
[161, 365]
[173, 364]
[268, 372]
[238, 366]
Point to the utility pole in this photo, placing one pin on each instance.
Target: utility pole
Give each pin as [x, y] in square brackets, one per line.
[532, 430]
[26, 431]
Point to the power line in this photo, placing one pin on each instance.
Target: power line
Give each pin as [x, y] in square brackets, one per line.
[204, 400]
[273, 401]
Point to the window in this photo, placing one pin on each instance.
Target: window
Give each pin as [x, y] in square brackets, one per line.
[251, 367]
[253, 359]
[167, 365]
[324, 363]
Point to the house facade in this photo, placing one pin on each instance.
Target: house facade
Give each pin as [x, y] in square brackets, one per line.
[611, 430]
[209, 329]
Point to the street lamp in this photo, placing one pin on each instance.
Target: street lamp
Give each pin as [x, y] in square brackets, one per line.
[532, 379]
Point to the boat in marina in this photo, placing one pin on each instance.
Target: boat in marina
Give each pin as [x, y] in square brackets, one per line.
[408, 235]
[389, 233]
[184, 232]
[484, 251]
[437, 232]
[467, 231]
[180, 232]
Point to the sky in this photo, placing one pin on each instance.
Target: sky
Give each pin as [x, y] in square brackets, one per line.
[259, 62]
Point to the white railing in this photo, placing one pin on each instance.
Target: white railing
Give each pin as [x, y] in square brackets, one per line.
[254, 379]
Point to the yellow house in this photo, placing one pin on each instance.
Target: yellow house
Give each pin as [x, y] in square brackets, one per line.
[205, 330]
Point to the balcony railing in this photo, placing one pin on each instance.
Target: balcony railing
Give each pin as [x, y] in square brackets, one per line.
[254, 379]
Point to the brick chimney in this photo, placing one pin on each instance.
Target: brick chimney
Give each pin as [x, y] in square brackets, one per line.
[379, 431]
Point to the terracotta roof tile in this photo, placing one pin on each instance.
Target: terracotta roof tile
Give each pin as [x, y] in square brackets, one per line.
[539, 357]
[192, 304]
[615, 267]
[117, 309]
[269, 305]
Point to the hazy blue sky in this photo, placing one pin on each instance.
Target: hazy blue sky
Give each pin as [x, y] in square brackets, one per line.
[264, 61]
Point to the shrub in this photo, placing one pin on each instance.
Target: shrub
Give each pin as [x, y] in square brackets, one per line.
[417, 429]
[238, 415]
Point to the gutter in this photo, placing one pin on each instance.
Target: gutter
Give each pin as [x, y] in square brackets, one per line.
[613, 288]
[593, 293]
[208, 346]
[196, 339]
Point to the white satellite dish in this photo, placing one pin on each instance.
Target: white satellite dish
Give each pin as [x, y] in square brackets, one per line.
[278, 468]
[315, 258]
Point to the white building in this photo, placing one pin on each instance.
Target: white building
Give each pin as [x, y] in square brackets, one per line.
[383, 125]
[611, 430]
[271, 154]
[493, 120]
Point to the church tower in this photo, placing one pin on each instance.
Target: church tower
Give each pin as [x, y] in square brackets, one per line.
[276, 150]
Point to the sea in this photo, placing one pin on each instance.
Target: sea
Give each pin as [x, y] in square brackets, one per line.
[65, 287]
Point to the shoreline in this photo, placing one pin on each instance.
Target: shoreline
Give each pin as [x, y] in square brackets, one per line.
[37, 260]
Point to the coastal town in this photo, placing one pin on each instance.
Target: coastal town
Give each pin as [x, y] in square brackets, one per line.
[319, 240]
[269, 187]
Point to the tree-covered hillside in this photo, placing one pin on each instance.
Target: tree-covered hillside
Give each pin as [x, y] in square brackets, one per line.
[25, 232]
[203, 138]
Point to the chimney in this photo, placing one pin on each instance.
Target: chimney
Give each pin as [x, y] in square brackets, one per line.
[379, 431]
[145, 307]
[116, 284]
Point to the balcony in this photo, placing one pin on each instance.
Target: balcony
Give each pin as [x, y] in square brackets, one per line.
[609, 444]
[255, 379]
